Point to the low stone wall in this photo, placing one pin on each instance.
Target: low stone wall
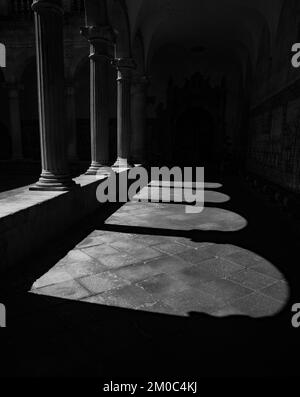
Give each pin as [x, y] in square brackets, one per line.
[30, 220]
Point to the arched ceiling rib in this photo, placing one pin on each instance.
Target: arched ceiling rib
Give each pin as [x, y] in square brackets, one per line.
[207, 23]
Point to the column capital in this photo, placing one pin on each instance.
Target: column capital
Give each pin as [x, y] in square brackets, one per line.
[124, 67]
[124, 63]
[40, 6]
[101, 38]
[95, 33]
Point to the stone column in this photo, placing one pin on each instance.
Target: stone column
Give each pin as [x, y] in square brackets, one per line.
[100, 39]
[124, 68]
[71, 121]
[15, 121]
[50, 70]
[139, 119]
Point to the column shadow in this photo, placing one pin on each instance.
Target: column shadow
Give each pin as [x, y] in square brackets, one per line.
[53, 337]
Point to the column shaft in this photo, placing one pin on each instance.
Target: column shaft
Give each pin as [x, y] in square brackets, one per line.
[99, 113]
[50, 70]
[101, 39]
[124, 69]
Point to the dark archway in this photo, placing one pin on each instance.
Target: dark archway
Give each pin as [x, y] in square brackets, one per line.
[5, 140]
[193, 138]
[29, 112]
[82, 98]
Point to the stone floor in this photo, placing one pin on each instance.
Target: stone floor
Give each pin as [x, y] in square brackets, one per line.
[146, 289]
[153, 256]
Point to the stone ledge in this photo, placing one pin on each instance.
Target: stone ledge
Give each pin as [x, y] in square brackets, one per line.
[29, 220]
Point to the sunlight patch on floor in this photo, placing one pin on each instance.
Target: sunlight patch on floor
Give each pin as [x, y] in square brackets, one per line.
[155, 257]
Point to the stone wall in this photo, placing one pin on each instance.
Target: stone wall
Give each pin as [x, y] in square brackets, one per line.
[274, 128]
[274, 145]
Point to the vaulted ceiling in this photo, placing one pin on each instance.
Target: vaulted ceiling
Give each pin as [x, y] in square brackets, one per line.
[232, 28]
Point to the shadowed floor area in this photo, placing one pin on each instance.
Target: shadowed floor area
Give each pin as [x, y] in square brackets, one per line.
[216, 288]
[132, 262]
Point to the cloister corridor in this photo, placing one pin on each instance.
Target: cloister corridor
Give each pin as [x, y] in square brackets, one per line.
[139, 288]
[136, 277]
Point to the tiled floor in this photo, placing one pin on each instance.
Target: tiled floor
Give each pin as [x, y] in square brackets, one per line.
[156, 257]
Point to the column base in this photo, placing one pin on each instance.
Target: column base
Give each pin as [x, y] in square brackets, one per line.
[122, 163]
[140, 163]
[102, 168]
[51, 182]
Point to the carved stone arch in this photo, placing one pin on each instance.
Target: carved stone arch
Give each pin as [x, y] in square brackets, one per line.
[138, 52]
[20, 63]
[118, 17]
[80, 57]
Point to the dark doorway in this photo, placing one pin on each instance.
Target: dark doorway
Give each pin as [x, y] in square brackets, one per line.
[193, 138]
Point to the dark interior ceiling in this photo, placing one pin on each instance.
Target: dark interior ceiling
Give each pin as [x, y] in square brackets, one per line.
[230, 28]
